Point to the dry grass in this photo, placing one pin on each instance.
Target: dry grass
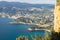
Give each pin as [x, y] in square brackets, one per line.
[58, 3]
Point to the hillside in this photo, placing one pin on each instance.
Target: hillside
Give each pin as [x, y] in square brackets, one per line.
[12, 8]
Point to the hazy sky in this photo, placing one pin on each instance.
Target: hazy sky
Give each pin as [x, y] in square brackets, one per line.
[33, 1]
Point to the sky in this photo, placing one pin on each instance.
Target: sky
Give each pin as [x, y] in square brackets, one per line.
[33, 1]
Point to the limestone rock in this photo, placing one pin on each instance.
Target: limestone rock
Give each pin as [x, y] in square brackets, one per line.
[57, 16]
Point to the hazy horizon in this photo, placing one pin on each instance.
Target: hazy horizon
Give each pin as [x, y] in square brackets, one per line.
[33, 1]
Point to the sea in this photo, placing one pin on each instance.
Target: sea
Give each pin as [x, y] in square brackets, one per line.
[12, 31]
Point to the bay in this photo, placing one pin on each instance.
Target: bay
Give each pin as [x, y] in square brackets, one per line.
[12, 31]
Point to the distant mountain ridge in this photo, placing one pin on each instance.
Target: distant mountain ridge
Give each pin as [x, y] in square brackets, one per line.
[19, 4]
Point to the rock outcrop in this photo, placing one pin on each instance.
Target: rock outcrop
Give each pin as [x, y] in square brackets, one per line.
[57, 16]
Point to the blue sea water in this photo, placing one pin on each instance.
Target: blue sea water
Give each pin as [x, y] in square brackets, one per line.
[12, 31]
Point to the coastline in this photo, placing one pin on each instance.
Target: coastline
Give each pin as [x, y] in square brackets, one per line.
[29, 23]
[23, 23]
[30, 29]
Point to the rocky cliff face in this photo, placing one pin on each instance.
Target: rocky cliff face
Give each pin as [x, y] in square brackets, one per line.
[57, 16]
